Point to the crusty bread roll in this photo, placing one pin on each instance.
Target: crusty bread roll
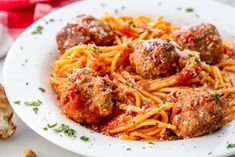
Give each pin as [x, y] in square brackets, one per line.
[7, 128]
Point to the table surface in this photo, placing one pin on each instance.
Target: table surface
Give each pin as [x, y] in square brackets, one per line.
[26, 138]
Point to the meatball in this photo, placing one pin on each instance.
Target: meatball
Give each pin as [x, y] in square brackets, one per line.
[88, 97]
[197, 113]
[84, 29]
[155, 58]
[203, 38]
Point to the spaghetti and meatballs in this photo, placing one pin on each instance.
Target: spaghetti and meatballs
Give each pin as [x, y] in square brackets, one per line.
[141, 79]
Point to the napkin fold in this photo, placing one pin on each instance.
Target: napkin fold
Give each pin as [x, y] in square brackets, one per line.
[17, 15]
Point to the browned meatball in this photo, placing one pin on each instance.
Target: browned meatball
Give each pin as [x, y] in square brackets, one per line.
[88, 97]
[203, 38]
[154, 58]
[197, 112]
[84, 29]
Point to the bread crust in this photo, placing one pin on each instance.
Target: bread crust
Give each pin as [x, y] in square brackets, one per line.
[7, 127]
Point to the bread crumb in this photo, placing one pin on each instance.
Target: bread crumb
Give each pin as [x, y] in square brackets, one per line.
[29, 153]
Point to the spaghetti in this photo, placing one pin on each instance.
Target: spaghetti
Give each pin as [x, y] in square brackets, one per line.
[146, 112]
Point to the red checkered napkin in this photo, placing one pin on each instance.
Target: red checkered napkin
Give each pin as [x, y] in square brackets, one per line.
[17, 15]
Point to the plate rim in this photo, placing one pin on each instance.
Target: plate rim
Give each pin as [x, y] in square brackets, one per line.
[7, 59]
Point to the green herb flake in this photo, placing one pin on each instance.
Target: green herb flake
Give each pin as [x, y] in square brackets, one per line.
[42, 89]
[70, 132]
[35, 110]
[217, 97]
[45, 128]
[115, 11]
[38, 30]
[128, 149]
[84, 138]
[209, 153]
[131, 23]
[141, 32]
[190, 55]
[17, 102]
[66, 130]
[51, 125]
[151, 143]
[189, 10]
[33, 103]
[95, 49]
[165, 102]
[51, 20]
[230, 145]
[197, 60]
[197, 40]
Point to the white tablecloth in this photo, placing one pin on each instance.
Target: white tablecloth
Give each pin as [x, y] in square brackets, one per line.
[26, 138]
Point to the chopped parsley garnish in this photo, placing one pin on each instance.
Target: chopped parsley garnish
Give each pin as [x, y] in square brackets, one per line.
[51, 20]
[94, 49]
[33, 103]
[165, 102]
[35, 109]
[66, 130]
[190, 55]
[48, 21]
[42, 89]
[51, 125]
[197, 60]
[17, 102]
[84, 138]
[38, 30]
[45, 128]
[141, 32]
[197, 40]
[128, 149]
[209, 153]
[216, 96]
[151, 143]
[115, 11]
[230, 145]
[189, 10]
[131, 23]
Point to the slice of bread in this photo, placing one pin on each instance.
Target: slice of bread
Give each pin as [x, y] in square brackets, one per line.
[7, 128]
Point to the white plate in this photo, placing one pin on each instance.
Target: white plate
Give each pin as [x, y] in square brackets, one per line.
[31, 58]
